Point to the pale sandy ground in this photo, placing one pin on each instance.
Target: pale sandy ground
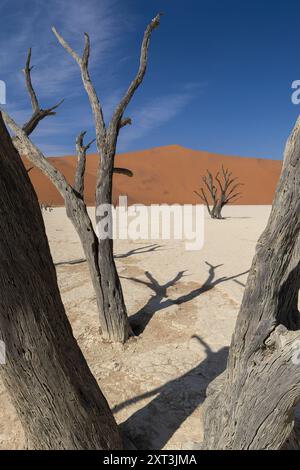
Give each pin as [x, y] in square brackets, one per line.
[185, 310]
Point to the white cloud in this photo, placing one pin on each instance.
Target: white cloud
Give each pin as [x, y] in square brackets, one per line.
[54, 70]
[56, 76]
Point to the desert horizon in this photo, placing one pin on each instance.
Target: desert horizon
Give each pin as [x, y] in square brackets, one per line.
[149, 232]
[165, 175]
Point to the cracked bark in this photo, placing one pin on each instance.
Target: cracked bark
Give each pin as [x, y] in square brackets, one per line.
[251, 405]
[106, 139]
[55, 395]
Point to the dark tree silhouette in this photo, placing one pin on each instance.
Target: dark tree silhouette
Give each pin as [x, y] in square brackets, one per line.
[218, 191]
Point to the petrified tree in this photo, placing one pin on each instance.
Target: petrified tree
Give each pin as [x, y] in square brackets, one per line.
[57, 399]
[251, 405]
[98, 250]
[221, 189]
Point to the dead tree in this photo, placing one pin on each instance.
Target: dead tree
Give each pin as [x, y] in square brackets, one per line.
[98, 251]
[106, 140]
[54, 393]
[251, 405]
[222, 189]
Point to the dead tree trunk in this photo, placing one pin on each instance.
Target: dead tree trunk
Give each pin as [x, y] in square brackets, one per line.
[75, 207]
[99, 252]
[251, 405]
[216, 198]
[57, 399]
[106, 138]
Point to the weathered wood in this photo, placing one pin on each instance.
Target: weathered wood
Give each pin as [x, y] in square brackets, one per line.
[38, 113]
[77, 212]
[99, 253]
[251, 406]
[55, 395]
[106, 139]
[81, 163]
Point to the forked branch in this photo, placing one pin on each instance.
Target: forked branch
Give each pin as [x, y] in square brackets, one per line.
[38, 112]
[35, 155]
[83, 63]
[220, 193]
[116, 122]
[117, 117]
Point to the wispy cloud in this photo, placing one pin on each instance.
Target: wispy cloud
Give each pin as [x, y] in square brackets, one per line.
[54, 69]
[56, 76]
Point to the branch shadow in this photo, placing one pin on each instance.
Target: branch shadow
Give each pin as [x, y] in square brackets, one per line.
[152, 426]
[136, 251]
[70, 262]
[140, 250]
[159, 300]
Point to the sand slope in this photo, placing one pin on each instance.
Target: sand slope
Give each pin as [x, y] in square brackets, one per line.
[167, 175]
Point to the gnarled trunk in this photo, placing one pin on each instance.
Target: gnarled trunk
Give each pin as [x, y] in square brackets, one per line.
[113, 301]
[108, 291]
[55, 395]
[251, 406]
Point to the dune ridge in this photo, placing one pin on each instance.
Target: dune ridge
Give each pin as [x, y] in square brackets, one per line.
[167, 174]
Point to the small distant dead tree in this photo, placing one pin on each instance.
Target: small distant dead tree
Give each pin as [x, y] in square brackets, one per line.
[98, 251]
[57, 399]
[218, 191]
[252, 404]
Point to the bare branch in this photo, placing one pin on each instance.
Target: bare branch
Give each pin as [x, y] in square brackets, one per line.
[223, 195]
[234, 188]
[210, 185]
[81, 163]
[67, 47]
[139, 76]
[234, 196]
[222, 189]
[125, 122]
[123, 171]
[38, 113]
[200, 195]
[34, 154]
[89, 87]
[204, 199]
[27, 70]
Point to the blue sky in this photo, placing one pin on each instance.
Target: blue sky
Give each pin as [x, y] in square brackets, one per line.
[219, 75]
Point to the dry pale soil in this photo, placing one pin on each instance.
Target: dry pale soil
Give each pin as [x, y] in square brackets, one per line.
[183, 305]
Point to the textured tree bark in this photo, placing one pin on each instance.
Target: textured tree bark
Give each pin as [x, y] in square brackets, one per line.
[113, 321]
[111, 287]
[111, 308]
[251, 405]
[115, 313]
[57, 399]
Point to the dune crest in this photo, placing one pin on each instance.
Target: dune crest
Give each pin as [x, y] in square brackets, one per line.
[167, 174]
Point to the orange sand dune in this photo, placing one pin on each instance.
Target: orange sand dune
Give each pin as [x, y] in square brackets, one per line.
[166, 175]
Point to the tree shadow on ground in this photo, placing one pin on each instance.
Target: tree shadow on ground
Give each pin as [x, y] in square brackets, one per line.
[136, 251]
[139, 250]
[159, 300]
[152, 426]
